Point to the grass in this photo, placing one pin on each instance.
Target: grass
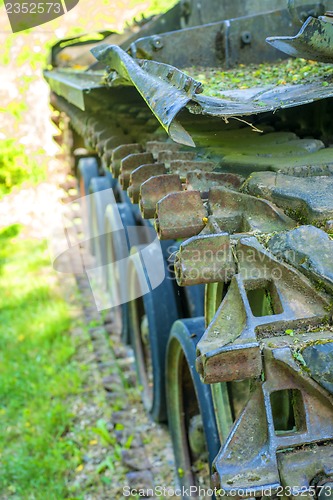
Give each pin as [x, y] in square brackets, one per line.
[16, 166]
[37, 373]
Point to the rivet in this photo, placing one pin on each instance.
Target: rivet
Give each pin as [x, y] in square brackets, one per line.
[246, 37]
[157, 43]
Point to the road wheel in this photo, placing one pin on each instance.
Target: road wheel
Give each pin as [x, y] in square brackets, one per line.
[87, 170]
[100, 197]
[190, 408]
[151, 316]
[118, 218]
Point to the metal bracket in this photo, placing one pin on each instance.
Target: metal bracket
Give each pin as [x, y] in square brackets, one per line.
[165, 89]
[225, 43]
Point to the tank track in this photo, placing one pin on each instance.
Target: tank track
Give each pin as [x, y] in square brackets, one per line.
[253, 212]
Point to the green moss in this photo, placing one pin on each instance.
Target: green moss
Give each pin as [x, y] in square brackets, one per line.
[298, 356]
[264, 238]
[320, 286]
[298, 214]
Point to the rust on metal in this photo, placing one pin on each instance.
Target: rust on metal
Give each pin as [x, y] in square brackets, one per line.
[204, 181]
[266, 325]
[167, 156]
[155, 147]
[180, 215]
[121, 152]
[107, 147]
[154, 189]
[182, 166]
[142, 174]
[205, 259]
[130, 163]
[264, 299]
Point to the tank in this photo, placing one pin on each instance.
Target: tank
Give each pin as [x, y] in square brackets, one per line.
[202, 144]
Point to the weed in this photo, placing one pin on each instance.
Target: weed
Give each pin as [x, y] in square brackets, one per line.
[102, 431]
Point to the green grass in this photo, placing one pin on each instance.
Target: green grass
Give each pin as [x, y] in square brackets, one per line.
[37, 373]
[16, 166]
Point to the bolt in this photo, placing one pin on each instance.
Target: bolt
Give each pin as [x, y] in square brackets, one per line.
[170, 73]
[199, 89]
[246, 37]
[187, 84]
[186, 8]
[157, 43]
[157, 224]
